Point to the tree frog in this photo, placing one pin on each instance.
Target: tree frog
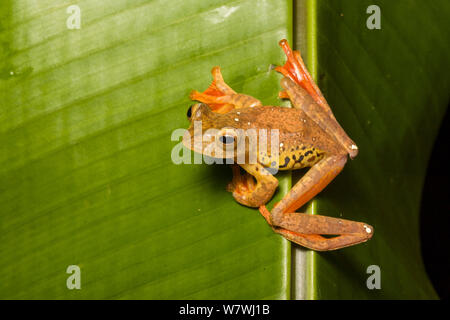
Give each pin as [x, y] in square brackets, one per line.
[309, 136]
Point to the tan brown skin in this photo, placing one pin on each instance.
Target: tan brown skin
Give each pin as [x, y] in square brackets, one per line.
[309, 136]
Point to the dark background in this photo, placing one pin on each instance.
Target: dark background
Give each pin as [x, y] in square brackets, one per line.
[435, 212]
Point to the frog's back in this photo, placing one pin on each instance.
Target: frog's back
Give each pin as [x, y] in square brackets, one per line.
[302, 143]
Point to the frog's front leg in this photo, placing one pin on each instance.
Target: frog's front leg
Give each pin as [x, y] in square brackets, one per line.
[307, 230]
[221, 98]
[249, 193]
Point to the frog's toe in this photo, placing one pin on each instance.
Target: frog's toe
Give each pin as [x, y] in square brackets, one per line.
[215, 95]
[283, 94]
[295, 69]
[241, 184]
[248, 199]
[254, 195]
[243, 188]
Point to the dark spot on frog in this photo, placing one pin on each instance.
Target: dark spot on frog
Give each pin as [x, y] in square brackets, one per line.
[300, 159]
[312, 159]
[307, 153]
[286, 162]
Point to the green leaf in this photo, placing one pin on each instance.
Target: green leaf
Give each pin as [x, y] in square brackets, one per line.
[86, 175]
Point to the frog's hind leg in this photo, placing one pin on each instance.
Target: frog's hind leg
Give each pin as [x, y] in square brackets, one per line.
[308, 230]
[315, 231]
[221, 98]
[304, 94]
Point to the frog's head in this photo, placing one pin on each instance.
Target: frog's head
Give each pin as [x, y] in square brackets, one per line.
[210, 133]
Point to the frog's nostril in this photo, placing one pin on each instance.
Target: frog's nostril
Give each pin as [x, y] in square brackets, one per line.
[189, 112]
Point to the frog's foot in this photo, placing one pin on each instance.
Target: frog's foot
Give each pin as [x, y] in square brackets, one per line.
[220, 97]
[249, 192]
[241, 184]
[213, 95]
[319, 232]
[295, 70]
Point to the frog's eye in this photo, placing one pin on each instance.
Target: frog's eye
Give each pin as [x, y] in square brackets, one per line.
[189, 112]
[226, 139]
[227, 136]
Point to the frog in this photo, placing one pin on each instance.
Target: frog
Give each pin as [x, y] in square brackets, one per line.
[309, 136]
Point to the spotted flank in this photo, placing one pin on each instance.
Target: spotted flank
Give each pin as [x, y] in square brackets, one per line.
[293, 158]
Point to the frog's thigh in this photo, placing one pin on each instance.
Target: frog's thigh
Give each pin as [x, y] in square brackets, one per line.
[316, 179]
[266, 185]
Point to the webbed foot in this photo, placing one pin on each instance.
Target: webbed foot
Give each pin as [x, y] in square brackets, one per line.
[220, 97]
[295, 69]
